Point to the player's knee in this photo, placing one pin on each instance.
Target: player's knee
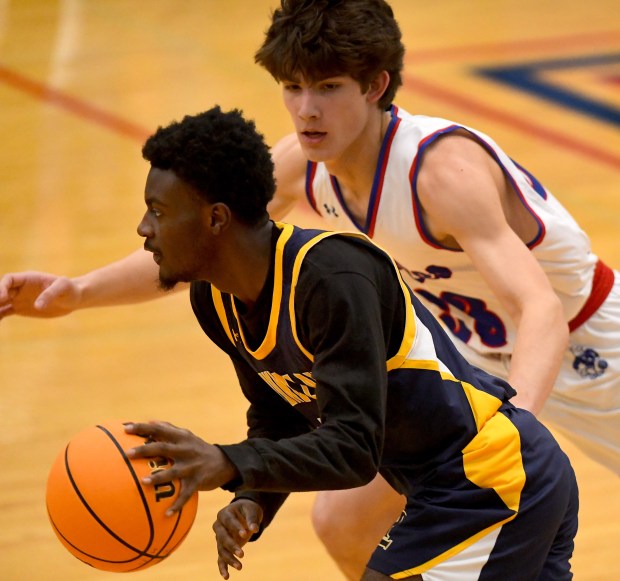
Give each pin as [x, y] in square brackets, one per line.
[330, 525]
[321, 516]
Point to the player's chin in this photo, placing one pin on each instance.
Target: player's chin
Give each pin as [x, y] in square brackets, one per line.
[315, 152]
[167, 282]
[168, 279]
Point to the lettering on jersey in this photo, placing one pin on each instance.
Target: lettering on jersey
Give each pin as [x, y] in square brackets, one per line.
[331, 210]
[432, 272]
[487, 324]
[588, 362]
[295, 388]
[386, 541]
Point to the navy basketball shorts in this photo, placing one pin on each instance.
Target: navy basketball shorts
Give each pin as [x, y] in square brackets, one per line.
[537, 544]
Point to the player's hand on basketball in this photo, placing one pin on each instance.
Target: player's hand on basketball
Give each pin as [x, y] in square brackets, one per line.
[37, 294]
[197, 464]
[234, 526]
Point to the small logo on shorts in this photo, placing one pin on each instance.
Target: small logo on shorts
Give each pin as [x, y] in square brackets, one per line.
[387, 540]
[588, 362]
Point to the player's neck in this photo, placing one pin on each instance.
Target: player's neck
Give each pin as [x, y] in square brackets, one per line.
[246, 257]
[355, 168]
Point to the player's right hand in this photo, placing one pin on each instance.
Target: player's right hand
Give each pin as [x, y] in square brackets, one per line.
[235, 525]
[37, 294]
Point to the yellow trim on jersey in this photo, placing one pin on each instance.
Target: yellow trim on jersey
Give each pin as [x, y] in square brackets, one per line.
[483, 405]
[409, 333]
[492, 459]
[218, 302]
[428, 364]
[410, 329]
[295, 276]
[269, 341]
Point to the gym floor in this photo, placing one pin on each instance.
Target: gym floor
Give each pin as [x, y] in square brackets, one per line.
[84, 82]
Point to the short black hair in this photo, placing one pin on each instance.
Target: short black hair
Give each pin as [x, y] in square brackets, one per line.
[222, 156]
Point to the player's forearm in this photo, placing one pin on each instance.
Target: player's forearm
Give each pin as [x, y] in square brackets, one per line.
[542, 337]
[130, 280]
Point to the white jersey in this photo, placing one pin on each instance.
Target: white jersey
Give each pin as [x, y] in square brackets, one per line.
[445, 279]
[585, 402]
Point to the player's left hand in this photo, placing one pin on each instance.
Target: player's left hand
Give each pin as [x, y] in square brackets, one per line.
[196, 464]
[234, 526]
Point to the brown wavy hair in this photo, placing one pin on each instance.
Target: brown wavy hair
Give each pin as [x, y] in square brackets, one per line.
[317, 39]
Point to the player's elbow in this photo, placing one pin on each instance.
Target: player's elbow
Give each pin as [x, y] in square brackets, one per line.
[366, 467]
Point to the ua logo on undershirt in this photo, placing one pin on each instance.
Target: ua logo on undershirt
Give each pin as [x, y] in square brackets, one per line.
[331, 210]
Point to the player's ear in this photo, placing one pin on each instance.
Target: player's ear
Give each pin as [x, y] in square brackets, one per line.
[219, 217]
[378, 86]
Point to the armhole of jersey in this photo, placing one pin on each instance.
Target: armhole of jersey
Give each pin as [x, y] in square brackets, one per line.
[534, 184]
[295, 276]
[539, 189]
[218, 303]
[410, 325]
[417, 208]
[425, 235]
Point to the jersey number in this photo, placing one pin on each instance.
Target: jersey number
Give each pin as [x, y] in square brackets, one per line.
[487, 324]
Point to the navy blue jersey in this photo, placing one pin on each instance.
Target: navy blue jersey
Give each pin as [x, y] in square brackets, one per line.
[349, 375]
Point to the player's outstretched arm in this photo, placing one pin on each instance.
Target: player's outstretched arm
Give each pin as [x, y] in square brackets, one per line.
[37, 294]
[130, 280]
[473, 216]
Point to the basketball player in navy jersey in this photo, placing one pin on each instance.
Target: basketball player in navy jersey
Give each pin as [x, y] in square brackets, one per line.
[487, 248]
[346, 374]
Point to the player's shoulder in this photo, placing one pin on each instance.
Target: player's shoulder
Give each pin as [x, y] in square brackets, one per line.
[344, 253]
[444, 139]
[288, 156]
[424, 123]
[423, 135]
[290, 165]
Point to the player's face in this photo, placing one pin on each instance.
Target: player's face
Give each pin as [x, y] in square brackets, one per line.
[173, 228]
[331, 116]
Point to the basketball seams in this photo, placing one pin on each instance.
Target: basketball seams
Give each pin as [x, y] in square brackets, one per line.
[136, 480]
[96, 517]
[95, 557]
[145, 503]
[70, 483]
[171, 535]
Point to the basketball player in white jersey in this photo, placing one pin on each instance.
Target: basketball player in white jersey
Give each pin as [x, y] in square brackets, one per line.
[484, 245]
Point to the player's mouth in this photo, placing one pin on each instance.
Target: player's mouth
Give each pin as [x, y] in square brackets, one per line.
[312, 137]
[156, 255]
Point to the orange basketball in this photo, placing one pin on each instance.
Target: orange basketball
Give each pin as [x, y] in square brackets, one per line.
[102, 513]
